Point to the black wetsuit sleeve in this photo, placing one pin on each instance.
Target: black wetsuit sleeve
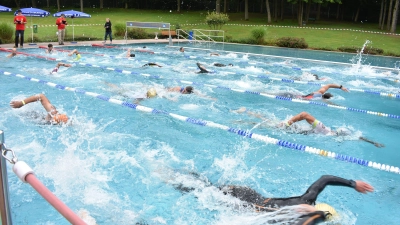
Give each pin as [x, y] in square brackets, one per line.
[318, 186]
[310, 196]
[311, 218]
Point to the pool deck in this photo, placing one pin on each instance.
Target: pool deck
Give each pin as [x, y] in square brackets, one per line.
[89, 43]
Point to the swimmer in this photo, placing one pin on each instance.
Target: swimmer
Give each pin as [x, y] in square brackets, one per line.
[321, 93]
[320, 128]
[186, 90]
[52, 117]
[50, 49]
[181, 49]
[151, 93]
[317, 126]
[151, 64]
[308, 76]
[78, 55]
[182, 90]
[129, 54]
[202, 68]
[221, 65]
[55, 70]
[13, 53]
[214, 53]
[311, 211]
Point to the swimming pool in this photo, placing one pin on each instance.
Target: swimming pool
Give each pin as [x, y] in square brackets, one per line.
[119, 165]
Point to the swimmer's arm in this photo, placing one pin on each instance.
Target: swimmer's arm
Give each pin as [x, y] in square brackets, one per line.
[39, 97]
[372, 142]
[325, 88]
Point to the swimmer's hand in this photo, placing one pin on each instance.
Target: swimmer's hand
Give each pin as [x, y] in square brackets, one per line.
[16, 104]
[345, 89]
[379, 145]
[363, 187]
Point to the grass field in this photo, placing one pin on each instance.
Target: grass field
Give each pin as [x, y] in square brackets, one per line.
[237, 27]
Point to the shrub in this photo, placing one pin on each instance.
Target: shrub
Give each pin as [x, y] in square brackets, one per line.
[178, 26]
[349, 49]
[367, 50]
[119, 29]
[324, 48]
[291, 42]
[391, 54]
[373, 51]
[258, 35]
[138, 33]
[216, 20]
[6, 31]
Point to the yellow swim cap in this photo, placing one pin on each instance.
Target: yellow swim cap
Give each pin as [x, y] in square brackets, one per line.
[151, 93]
[61, 118]
[325, 207]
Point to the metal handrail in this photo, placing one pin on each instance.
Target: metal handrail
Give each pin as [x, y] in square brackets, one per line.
[4, 194]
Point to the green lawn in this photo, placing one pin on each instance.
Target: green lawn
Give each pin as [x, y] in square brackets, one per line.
[315, 38]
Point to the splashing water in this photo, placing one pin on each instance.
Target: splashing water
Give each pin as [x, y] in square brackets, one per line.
[357, 60]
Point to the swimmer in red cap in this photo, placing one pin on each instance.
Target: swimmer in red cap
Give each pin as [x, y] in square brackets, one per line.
[53, 116]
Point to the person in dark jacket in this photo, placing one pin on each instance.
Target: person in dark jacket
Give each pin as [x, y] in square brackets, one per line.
[107, 26]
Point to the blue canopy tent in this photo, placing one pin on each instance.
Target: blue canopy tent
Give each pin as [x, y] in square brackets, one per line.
[72, 14]
[4, 9]
[35, 13]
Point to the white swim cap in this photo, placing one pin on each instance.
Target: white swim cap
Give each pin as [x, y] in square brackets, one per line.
[151, 93]
[327, 208]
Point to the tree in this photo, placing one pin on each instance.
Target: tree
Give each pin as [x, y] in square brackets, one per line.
[81, 5]
[225, 6]
[58, 6]
[179, 6]
[218, 6]
[389, 18]
[268, 11]
[101, 4]
[395, 15]
[246, 9]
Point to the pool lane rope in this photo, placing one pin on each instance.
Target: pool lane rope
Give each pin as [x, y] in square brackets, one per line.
[226, 88]
[245, 91]
[200, 122]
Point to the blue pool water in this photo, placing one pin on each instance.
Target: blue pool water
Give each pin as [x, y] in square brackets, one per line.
[117, 165]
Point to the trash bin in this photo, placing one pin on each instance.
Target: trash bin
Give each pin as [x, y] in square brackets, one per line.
[190, 35]
[34, 28]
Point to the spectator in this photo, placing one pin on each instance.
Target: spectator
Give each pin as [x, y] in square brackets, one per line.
[107, 26]
[61, 22]
[20, 21]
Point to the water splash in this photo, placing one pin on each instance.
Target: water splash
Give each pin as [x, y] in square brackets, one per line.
[357, 60]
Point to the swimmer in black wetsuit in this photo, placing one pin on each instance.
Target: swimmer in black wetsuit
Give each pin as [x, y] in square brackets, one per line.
[307, 200]
[151, 64]
[221, 65]
[202, 68]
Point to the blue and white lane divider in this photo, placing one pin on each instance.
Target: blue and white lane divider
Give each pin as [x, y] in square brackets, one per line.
[200, 122]
[256, 76]
[248, 92]
[243, 91]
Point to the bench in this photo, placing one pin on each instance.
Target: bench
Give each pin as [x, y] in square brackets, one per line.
[166, 33]
[311, 19]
